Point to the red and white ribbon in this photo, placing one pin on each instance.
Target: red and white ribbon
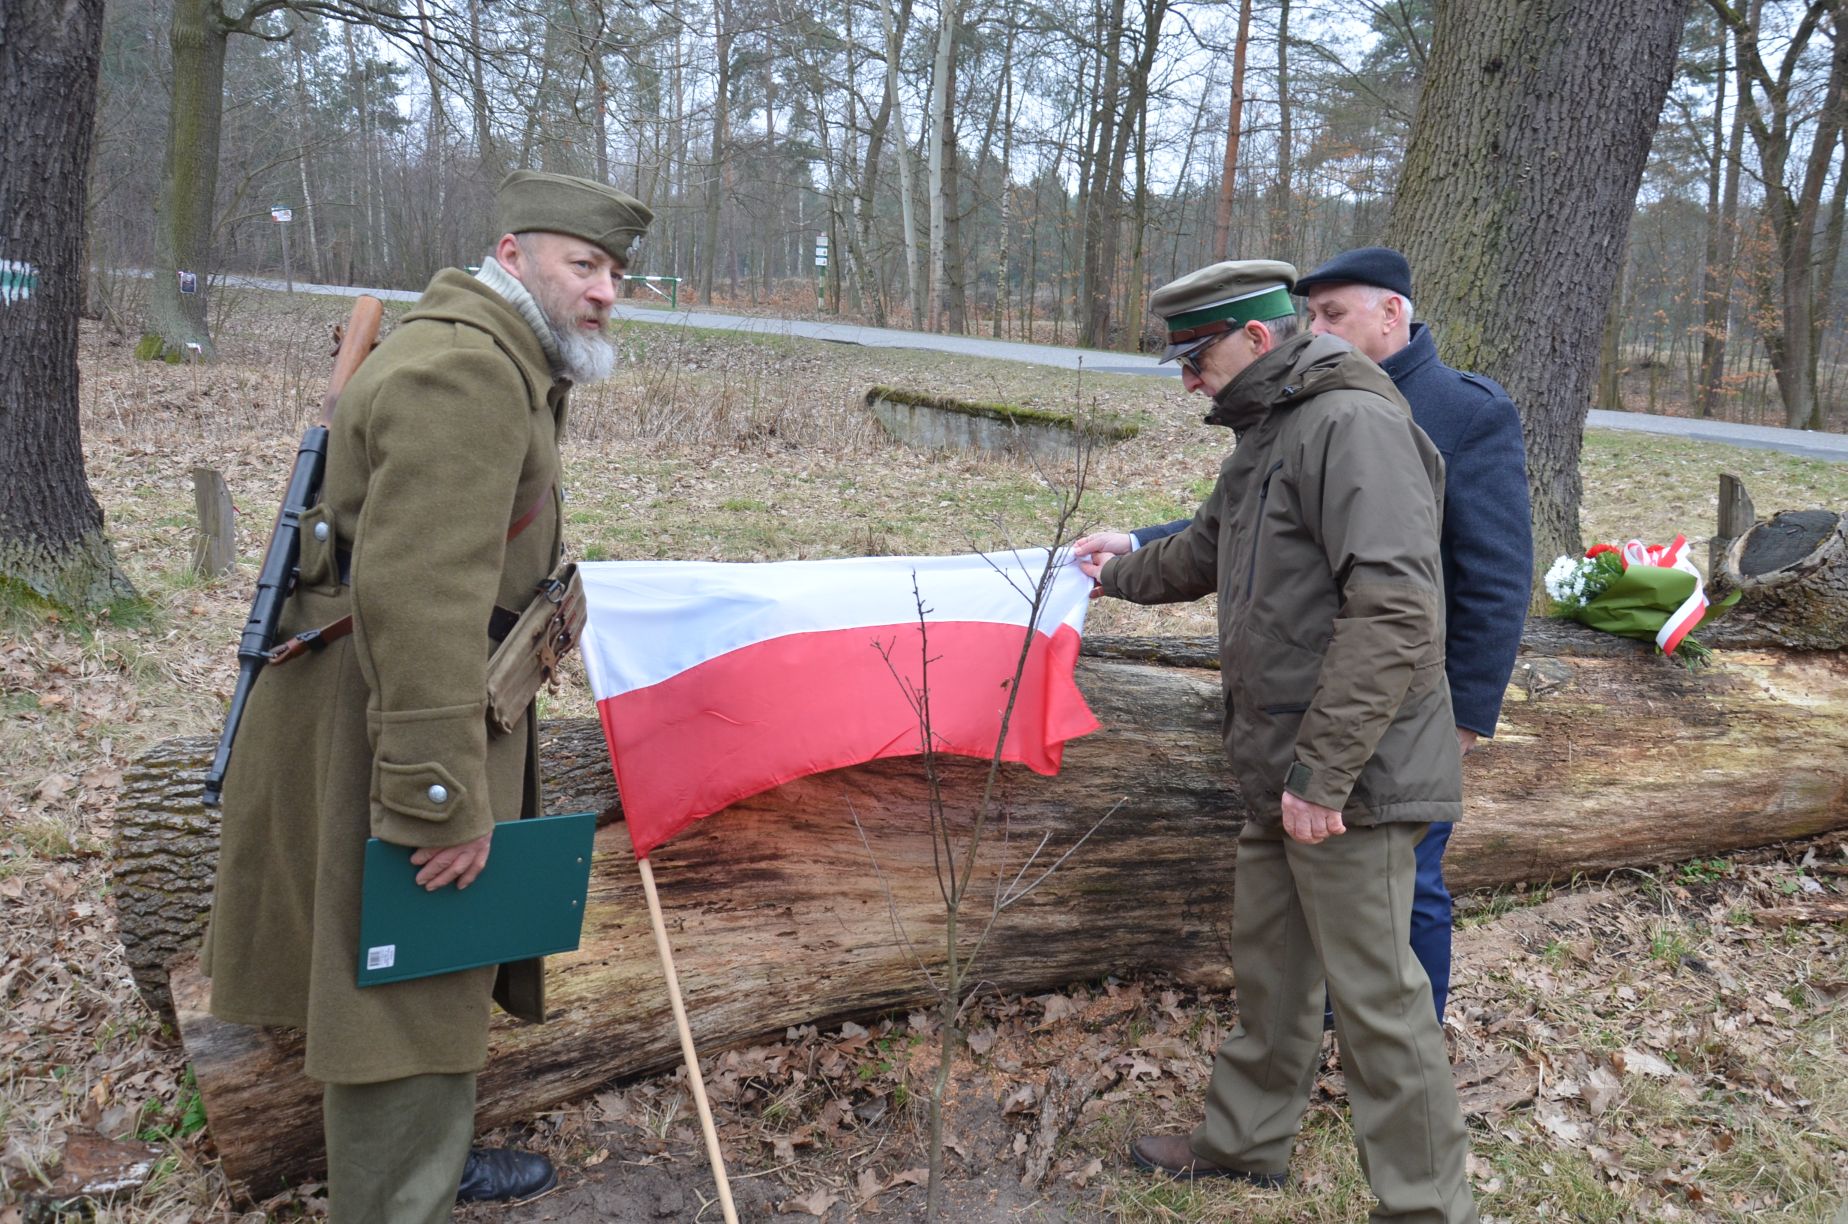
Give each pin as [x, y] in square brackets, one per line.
[1670, 556]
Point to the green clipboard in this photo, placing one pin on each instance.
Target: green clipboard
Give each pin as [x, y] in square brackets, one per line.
[528, 901]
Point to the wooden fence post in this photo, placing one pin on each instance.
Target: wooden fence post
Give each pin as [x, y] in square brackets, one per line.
[215, 547]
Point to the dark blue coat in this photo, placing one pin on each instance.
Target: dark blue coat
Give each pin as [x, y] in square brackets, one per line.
[1487, 544]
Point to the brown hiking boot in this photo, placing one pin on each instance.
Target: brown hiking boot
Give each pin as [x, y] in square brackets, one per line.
[1173, 1155]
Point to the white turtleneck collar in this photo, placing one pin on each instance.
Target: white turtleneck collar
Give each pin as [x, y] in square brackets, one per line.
[521, 299]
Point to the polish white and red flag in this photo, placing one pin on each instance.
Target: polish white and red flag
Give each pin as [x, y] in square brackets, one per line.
[717, 680]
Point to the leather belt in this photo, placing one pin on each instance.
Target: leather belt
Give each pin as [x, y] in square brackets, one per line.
[500, 621]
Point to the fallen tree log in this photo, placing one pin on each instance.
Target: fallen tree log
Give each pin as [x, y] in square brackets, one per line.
[1608, 756]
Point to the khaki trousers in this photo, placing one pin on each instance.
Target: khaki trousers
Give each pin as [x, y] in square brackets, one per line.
[1345, 904]
[395, 1149]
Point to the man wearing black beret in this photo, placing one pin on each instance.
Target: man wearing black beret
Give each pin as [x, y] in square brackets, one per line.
[1364, 297]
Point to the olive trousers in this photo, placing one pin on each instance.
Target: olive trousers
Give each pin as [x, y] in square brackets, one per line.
[395, 1149]
[1345, 904]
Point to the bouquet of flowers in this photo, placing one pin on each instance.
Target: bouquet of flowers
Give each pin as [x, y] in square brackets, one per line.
[1636, 590]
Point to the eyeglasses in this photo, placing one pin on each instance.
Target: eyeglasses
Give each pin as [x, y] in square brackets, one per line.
[1191, 361]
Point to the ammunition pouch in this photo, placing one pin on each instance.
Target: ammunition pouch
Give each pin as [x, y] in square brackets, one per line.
[528, 657]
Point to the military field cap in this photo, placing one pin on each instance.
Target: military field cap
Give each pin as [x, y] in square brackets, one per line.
[560, 204]
[1381, 267]
[1202, 306]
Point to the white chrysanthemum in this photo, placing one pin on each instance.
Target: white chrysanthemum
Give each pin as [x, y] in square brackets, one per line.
[1560, 579]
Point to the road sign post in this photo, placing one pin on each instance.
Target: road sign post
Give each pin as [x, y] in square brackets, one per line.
[282, 214]
[821, 271]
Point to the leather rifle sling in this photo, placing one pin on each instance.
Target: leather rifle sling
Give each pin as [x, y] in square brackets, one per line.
[315, 639]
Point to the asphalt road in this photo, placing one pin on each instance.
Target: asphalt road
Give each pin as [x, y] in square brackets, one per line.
[1833, 447]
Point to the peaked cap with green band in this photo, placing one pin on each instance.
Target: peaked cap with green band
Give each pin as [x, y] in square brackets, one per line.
[560, 204]
[1204, 305]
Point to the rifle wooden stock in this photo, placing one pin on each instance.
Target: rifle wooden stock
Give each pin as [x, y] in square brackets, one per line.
[355, 341]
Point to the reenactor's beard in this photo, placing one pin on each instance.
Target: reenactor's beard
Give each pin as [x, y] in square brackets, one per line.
[587, 358]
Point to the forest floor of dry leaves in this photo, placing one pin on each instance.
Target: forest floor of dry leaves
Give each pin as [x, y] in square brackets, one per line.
[1661, 1044]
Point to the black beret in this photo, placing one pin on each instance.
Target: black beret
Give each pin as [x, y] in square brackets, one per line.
[1380, 266]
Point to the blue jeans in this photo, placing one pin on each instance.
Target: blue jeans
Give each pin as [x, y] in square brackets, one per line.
[1430, 919]
[1431, 914]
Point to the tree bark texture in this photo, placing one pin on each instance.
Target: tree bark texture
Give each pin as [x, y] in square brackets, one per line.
[1515, 201]
[779, 915]
[51, 527]
[189, 179]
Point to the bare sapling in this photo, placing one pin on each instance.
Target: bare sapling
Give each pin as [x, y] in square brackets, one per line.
[977, 889]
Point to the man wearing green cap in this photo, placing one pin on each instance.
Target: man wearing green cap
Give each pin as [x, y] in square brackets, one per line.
[1320, 540]
[440, 507]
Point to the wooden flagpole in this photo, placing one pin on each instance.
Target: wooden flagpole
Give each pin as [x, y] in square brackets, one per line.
[686, 1042]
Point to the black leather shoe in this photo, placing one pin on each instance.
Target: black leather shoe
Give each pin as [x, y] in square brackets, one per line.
[505, 1175]
[1171, 1154]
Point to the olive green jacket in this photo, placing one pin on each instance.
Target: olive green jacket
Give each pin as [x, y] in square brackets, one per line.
[1321, 540]
[445, 437]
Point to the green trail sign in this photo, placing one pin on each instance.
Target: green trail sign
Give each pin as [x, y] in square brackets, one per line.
[17, 281]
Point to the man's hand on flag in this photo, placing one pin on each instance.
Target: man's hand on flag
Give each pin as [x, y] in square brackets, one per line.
[1094, 550]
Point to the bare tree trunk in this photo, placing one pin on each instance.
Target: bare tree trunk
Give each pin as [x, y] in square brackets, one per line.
[1222, 220]
[942, 135]
[1831, 249]
[1193, 132]
[1792, 211]
[436, 148]
[599, 99]
[51, 528]
[489, 157]
[1007, 171]
[907, 195]
[1507, 258]
[177, 299]
[953, 269]
[1722, 237]
[1154, 12]
[1102, 214]
[860, 235]
[721, 150]
[301, 158]
[1283, 241]
[366, 245]
[1133, 308]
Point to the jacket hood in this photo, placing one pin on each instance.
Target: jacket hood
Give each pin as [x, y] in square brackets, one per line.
[1300, 367]
[453, 296]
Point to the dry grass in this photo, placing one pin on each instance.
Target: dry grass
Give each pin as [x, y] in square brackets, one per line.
[708, 446]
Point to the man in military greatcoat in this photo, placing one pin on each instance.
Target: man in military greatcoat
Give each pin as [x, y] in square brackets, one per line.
[441, 503]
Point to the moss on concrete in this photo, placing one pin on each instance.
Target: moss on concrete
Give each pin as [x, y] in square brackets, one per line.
[1106, 427]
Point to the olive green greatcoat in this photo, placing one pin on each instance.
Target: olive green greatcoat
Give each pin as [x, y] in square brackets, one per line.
[446, 435]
